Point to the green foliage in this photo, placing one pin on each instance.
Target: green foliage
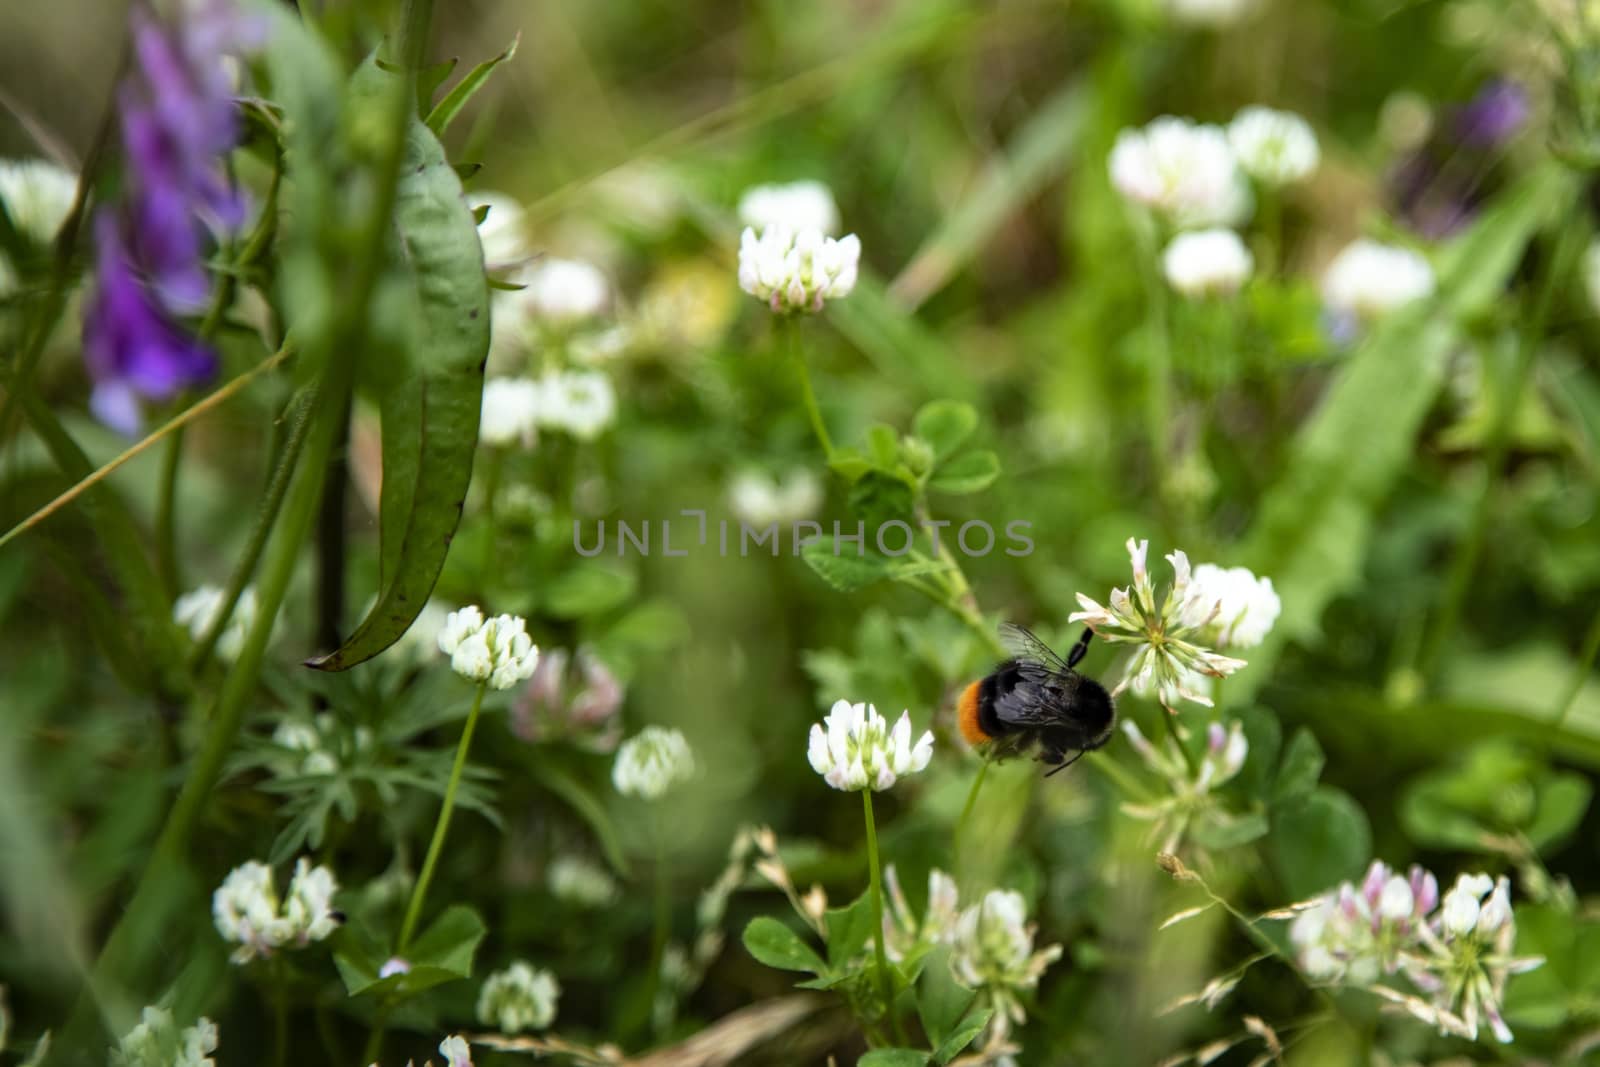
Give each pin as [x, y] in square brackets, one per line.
[1494, 790]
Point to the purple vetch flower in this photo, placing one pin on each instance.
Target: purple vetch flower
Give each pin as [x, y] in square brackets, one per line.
[132, 347]
[1494, 116]
[178, 120]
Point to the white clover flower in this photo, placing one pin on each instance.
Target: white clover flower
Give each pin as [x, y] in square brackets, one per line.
[904, 933]
[505, 243]
[802, 205]
[1211, 13]
[1357, 935]
[1183, 170]
[994, 954]
[581, 403]
[245, 909]
[575, 880]
[1369, 279]
[157, 1042]
[759, 500]
[456, 1051]
[854, 748]
[797, 270]
[1166, 648]
[1207, 263]
[512, 408]
[1591, 273]
[309, 744]
[651, 762]
[497, 651]
[1465, 959]
[197, 609]
[308, 909]
[1247, 606]
[38, 196]
[562, 292]
[1190, 801]
[519, 998]
[1274, 147]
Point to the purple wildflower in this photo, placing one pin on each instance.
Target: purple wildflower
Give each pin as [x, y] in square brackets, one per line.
[178, 121]
[1494, 116]
[132, 347]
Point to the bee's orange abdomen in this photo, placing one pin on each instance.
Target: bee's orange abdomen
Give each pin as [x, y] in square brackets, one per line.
[967, 716]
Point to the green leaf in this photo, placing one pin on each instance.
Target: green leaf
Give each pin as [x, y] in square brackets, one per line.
[1301, 768]
[1318, 840]
[447, 109]
[589, 808]
[945, 424]
[774, 944]
[841, 567]
[443, 953]
[588, 589]
[849, 464]
[429, 79]
[1226, 830]
[942, 1001]
[1312, 527]
[893, 1057]
[430, 408]
[969, 473]
[884, 444]
[849, 928]
[963, 1034]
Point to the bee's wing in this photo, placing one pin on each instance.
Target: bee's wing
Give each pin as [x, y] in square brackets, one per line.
[1024, 645]
[1038, 696]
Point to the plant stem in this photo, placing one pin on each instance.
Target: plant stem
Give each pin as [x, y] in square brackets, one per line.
[1580, 673]
[300, 411]
[875, 883]
[166, 529]
[442, 826]
[1170, 720]
[1465, 563]
[280, 1013]
[972, 800]
[791, 340]
[663, 918]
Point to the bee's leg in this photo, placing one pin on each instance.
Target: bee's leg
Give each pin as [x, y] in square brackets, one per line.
[1063, 766]
[1080, 649]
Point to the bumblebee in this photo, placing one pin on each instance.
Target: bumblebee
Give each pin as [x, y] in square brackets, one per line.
[1036, 700]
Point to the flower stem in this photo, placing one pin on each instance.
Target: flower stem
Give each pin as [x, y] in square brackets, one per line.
[658, 940]
[1170, 720]
[972, 800]
[791, 340]
[875, 884]
[1580, 674]
[442, 826]
[166, 526]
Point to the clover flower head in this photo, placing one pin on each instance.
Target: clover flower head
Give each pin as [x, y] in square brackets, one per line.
[456, 1051]
[38, 195]
[1247, 606]
[579, 881]
[797, 270]
[802, 205]
[556, 706]
[246, 909]
[197, 610]
[565, 291]
[580, 403]
[1456, 954]
[758, 500]
[497, 651]
[994, 954]
[511, 411]
[903, 931]
[519, 998]
[854, 748]
[1211, 262]
[1369, 279]
[651, 762]
[1183, 171]
[1274, 147]
[158, 1042]
[1212, 14]
[1190, 799]
[1167, 642]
